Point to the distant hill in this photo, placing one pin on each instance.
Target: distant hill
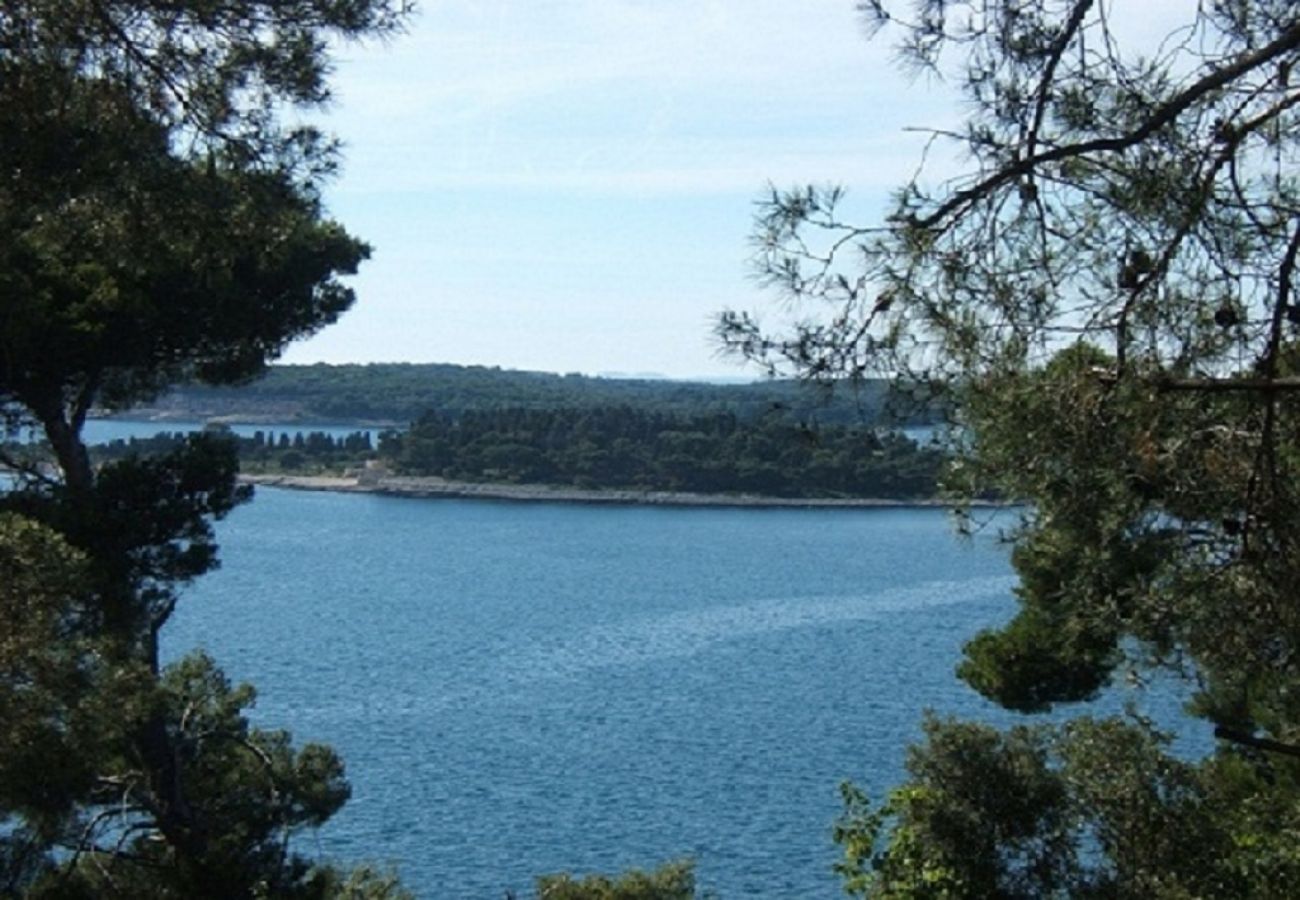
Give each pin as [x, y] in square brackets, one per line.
[399, 393]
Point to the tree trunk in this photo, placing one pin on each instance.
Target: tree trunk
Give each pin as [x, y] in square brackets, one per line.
[65, 439]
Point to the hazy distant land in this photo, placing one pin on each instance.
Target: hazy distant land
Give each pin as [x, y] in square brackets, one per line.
[395, 394]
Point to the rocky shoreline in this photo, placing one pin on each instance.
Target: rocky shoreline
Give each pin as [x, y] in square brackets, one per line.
[440, 488]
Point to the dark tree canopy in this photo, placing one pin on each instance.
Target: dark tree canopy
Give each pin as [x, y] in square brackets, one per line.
[1109, 288]
[158, 219]
[671, 881]
[137, 266]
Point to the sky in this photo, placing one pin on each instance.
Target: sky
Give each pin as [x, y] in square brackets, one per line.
[568, 185]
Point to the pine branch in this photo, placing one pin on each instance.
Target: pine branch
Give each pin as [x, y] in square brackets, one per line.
[1164, 115]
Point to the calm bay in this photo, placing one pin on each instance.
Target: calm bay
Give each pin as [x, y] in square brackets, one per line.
[526, 688]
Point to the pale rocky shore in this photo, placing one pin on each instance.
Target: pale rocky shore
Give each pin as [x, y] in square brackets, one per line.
[440, 488]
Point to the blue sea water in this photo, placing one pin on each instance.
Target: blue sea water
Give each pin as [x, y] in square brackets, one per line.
[520, 689]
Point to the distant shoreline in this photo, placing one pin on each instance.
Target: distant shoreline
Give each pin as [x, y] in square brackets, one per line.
[439, 488]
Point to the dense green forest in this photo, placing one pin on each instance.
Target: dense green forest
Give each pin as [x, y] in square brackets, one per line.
[623, 447]
[398, 393]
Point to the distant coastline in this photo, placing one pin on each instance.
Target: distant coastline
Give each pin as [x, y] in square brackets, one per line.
[439, 488]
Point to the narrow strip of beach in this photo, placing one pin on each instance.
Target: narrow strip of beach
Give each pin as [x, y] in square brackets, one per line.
[440, 488]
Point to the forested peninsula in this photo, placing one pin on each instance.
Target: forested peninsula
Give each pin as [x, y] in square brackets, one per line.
[580, 438]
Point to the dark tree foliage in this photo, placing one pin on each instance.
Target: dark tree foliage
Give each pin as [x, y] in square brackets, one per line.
[1111, 285]
[158, 221]
[671, 881]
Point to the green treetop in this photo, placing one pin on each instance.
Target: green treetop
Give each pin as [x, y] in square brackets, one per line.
[1110, 287]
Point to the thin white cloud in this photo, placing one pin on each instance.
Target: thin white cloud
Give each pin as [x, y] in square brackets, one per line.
[676, 166]
[517, 87]
[669, 98]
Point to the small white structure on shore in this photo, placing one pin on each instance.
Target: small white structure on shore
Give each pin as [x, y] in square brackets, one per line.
[374, 472]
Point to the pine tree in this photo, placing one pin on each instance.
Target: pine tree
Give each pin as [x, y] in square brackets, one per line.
[1110, 293]
[159, 222]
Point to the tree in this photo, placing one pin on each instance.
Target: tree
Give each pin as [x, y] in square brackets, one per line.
[59, 708]
[671, 881]
[1110, 291]
[159, 222]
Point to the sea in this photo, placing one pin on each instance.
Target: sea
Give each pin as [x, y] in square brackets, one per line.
[525, 688]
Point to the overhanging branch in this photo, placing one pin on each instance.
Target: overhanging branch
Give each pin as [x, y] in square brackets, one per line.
[1164, 115]
[1223, 385]
[1249, 740]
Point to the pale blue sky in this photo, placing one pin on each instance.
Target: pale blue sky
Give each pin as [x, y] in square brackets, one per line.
[567, 185]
